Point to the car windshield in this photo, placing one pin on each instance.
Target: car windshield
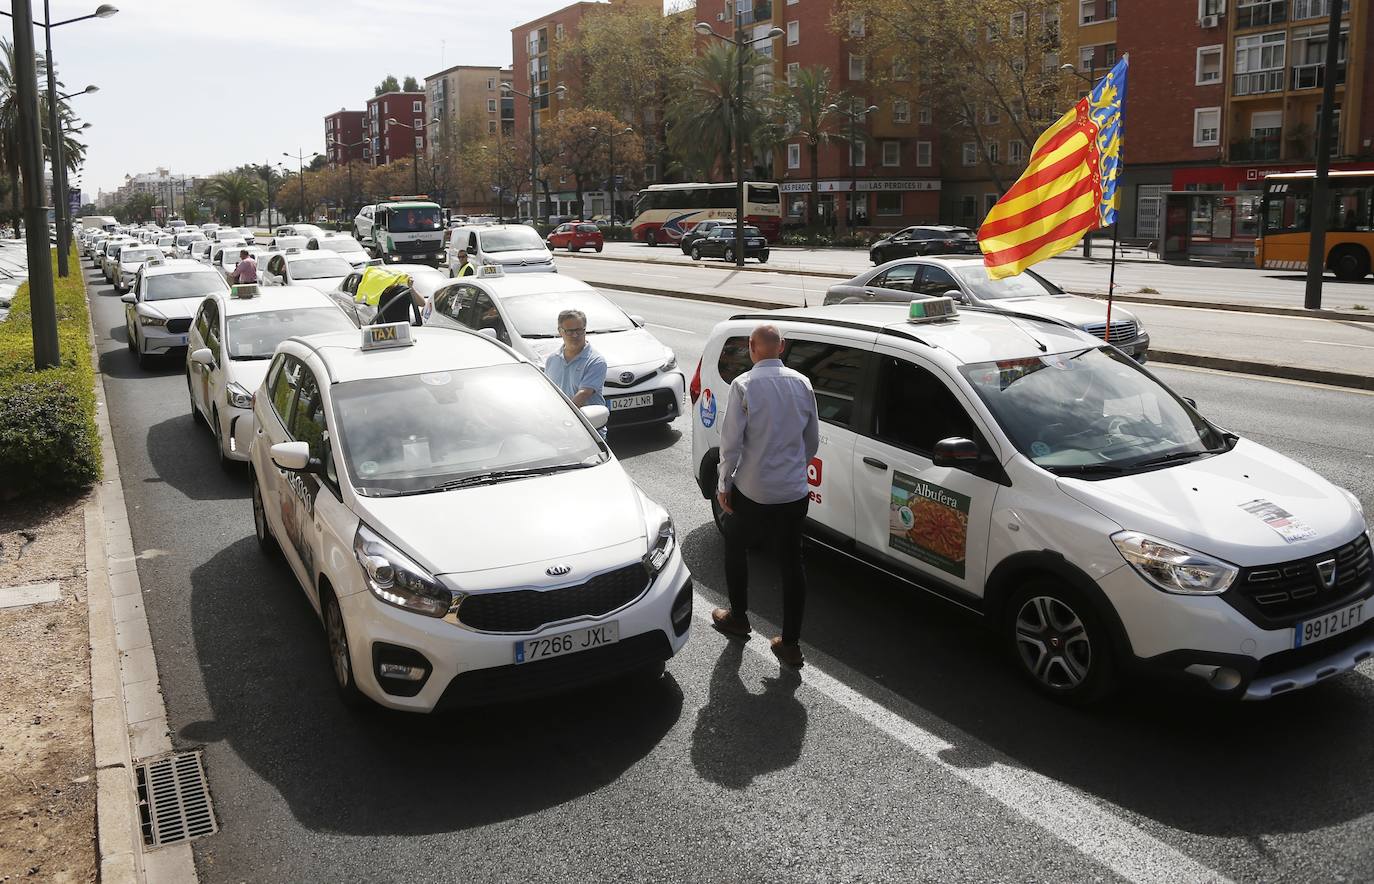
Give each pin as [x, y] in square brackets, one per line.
[321, 267]
[184, 284]
[536, 316]
[341, 244]
[511, 239]
[1026, 284]
[1094, 411]
[132, 256]
[292, 242]
[413, 220]
[420, 433]
[256, 335]
[164, 240]
[727, 232]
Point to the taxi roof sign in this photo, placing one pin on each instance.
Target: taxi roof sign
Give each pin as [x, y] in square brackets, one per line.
[244, 290]
[491, 271]
[384, 337]
[932, 310]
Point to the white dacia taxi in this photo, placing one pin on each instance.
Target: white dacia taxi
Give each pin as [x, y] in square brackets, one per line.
[1040, 477]
[461, 528]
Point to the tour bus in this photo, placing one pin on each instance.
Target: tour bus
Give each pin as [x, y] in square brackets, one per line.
[1286, 213]
[664, 212]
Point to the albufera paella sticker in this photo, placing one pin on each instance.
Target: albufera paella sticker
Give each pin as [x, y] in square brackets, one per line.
[928, 522]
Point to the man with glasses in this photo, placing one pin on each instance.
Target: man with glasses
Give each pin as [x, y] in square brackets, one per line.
[576, 367]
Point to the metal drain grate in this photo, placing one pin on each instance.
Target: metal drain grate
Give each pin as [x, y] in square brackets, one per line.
[174, 799]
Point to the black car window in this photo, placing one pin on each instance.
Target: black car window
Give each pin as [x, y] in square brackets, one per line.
[935, 281]
[915, 409]
[902, 278]
[485, 315]
[834, 371]
[734, 358]
[283, 387]
[212, 332]
[307, 415]
[201, 321]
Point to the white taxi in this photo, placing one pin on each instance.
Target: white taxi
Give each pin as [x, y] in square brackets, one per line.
[462, 530]
[124, 267]
[323, 271]
[341, 244]
[231, 343]
[1042, 478]
[157, 313]
[643, 383]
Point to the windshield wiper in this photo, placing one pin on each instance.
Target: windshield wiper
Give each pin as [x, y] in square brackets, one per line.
[1086, 469]
[502, 476]
[1175, 457]
[253, 358]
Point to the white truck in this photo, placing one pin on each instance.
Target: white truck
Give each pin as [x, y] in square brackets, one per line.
[99, 222]
[406, 229]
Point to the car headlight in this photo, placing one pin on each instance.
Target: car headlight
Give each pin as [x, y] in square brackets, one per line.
[670, 361]
[145, 319]
[238, 396]
[1174, 568]
[661, 545]
[395, 579]
[1139, 326]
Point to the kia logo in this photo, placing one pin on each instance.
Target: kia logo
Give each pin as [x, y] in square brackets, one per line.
[557, 570]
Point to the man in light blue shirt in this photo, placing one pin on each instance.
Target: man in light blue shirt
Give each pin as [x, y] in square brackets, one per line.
[768, 435]
[576, 367]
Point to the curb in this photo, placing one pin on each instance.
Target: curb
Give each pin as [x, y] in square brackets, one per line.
[129, 719]
[1134, 298]
[1237, 366]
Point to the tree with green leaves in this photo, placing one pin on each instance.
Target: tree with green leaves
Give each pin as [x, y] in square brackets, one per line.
[806, 110]
[235, 191]
[583, 136]
[701, 117]
[411, 85]
[10, 136]
[138, 208]
[389, 84]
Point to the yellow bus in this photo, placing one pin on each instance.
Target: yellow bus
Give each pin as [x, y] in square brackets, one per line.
[1286, 213]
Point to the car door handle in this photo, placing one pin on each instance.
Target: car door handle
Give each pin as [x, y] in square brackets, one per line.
[875, 463]
[870, 292]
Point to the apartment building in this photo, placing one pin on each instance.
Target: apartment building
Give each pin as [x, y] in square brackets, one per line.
[466, 104]
[396, 125]
[345, 140]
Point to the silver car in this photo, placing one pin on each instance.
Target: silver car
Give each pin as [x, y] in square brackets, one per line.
[967, 281]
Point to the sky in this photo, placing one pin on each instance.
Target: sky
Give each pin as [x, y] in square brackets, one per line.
[199, 87]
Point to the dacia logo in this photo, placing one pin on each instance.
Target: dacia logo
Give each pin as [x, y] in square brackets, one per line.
[1327, 571]
[558, 570]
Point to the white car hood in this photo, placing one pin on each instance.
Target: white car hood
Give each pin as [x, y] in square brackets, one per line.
[248, 373]
[355, 258]
[1065, 308]
[1198, 504]
[512, 523]
[174, 308]
[523, 256]
[327, 284]
[629, 350]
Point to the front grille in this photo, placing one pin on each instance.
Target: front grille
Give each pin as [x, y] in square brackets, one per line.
[634, 380]
[411, 247]
[1279, 595]
[525, 610]
[1121, 331]
[178, 326]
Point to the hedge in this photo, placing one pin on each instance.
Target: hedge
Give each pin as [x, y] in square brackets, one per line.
[48, 438]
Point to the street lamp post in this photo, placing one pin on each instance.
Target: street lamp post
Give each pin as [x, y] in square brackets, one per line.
[705, 30]
[300, 159]
[853, 116]
[610, 148]
[531, 96]
[414, 153]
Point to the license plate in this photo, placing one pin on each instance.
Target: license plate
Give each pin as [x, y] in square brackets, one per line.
[620, 403]
[532, 649]
[1318, 628]
[183, 340]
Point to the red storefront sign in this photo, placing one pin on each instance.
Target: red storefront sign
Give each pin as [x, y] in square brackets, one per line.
[1245, 177]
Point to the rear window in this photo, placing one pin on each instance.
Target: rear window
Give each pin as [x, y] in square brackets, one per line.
[586, 228]
[835, 372]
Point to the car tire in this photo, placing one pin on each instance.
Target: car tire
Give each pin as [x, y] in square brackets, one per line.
[1059, 643]
[262, 529]
[598, 250]
[696, 253]
[217, 429]
[763, 257]
[651, 239]
[878, 259]
[718, 515]
[144, 359]
[340, 658]
[573, 248]
[190, 395]
[729, 256]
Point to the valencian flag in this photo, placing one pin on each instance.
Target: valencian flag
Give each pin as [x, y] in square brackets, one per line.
[1068, 188]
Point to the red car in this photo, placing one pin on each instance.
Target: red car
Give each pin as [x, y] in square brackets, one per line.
[575, 235]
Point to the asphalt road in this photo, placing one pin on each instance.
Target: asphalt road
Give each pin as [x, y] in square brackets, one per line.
[907, 750]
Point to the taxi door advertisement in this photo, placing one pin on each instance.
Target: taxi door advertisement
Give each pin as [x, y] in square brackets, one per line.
[928, 522]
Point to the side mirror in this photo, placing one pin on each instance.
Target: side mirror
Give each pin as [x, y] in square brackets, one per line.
[955, 451]
[203, 356]
[129, 299]
[954, 294]
[488, 331]
[597, 414]
[293, 456]
[1192, 402]
[637, 320]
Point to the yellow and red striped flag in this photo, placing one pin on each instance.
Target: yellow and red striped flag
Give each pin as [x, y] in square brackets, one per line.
[1068, 188]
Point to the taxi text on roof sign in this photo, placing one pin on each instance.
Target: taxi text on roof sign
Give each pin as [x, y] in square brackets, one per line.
[493, 270]
[245, 290]
[381, 337]
[932, 310]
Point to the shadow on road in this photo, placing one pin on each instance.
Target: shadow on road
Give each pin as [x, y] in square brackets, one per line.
[263, 660]
[634, 441]
[741, 734]
[1295, 764]
[182, 454]
[122, 363]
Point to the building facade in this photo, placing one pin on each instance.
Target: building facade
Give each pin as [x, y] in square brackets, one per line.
[345, 138]
[396, 125]
[466, 105]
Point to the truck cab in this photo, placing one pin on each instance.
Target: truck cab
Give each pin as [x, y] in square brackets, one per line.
[407, 229]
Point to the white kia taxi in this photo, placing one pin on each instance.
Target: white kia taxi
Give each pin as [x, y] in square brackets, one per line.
[461, 528]
[1042, 478]
[166, 294]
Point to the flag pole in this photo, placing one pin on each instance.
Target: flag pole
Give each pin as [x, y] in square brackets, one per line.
[1111, 283]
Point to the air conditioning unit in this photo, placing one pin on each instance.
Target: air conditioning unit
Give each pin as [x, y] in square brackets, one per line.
[1210, 21]
[720, 16]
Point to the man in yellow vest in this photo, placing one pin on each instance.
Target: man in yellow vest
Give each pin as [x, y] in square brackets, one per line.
[390, 294]
[464, 265]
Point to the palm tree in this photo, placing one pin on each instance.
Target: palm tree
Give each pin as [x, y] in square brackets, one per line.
[805, 108]
[235, 190]
[73, 151]
[701, 121]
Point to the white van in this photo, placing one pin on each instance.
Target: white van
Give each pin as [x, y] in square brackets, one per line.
[514, 247]
[1042, 478]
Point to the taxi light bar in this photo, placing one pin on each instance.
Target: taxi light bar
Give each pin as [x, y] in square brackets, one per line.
[492, 271]
[932, 310]
[246, 290]
[382, 337]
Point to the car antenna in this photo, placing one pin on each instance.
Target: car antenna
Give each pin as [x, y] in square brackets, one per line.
[1034, 339]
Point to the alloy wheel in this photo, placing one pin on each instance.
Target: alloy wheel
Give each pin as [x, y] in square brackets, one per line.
[1053, 643]
[338, 644]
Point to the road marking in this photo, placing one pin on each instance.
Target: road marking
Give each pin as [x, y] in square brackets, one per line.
[685, 331]
[655, 275]
[769, 285]
[1059, 809]
[1339, 344]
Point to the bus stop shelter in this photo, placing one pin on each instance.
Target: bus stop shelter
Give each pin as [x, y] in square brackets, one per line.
[1220, 225]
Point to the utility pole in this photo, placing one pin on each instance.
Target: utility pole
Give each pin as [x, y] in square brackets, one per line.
[43, 302]
[1321, 188]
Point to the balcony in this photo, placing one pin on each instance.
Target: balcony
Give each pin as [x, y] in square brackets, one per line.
[762, 11]
[1254, 150]
[1312, 76]
[1258, 14]
[1257, 82]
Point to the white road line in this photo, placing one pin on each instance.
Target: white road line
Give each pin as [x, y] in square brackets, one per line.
[655, 275]
[769, 285]
[1059, 809]
[685, 331]
[1339, 344]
